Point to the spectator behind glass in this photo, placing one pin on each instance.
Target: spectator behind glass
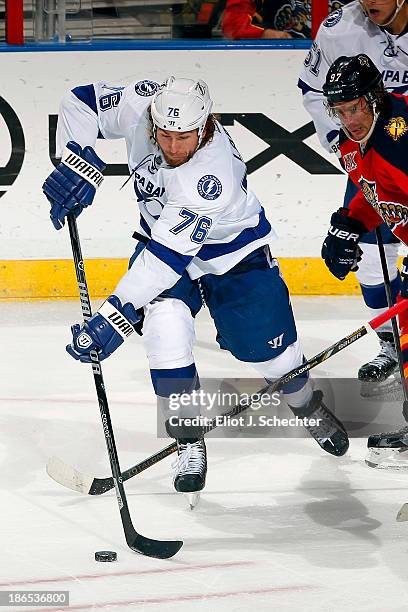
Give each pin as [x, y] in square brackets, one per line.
[269, 18]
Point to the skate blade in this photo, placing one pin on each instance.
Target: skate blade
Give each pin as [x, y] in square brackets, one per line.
[402, 515]
[193, 499]
[387, 458]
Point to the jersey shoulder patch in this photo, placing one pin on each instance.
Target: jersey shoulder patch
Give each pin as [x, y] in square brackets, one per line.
[391, 134]
[146, 88]
[396, 127]
[333, 19]
[209, 187]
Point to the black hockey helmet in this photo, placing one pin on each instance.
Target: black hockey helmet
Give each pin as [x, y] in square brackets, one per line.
[350, 78]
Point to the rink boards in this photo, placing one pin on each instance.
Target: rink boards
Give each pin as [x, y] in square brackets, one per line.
[255, 93]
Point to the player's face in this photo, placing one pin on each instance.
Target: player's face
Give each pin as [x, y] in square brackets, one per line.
[379, 11]
[356, 116]
[177, 147]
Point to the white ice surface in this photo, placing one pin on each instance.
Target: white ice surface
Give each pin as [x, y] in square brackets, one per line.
[281, 525]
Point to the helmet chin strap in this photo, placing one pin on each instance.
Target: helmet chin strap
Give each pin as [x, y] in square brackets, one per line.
[398, 7]
[370, 131]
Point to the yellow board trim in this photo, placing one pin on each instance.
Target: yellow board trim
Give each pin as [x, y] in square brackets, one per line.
[55, 279]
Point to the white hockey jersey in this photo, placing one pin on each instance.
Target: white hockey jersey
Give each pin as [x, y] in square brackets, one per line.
[199, 216]
[348, 31]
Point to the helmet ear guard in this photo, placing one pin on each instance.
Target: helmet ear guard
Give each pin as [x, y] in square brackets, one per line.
[181, 105]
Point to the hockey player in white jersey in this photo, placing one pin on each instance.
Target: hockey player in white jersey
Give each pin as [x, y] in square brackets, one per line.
[378, 28]
[203, 236]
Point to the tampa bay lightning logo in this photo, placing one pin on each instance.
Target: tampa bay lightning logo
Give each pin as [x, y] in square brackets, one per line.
[333, 18]
[146, 88]
[209, 187]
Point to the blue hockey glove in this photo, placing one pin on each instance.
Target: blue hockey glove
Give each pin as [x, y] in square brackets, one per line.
[404, 278]
[104, 331]
[340, 249]
[72, 185]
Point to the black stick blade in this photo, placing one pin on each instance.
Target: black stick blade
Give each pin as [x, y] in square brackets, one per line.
[100, 486]
[155, 548]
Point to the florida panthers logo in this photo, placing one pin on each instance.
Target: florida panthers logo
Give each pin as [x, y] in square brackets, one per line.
[396, 127]
[393, 213]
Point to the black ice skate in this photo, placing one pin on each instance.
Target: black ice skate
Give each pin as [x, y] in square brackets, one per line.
[385, 450]
[382, 366]
[330, 433]
[190, 469]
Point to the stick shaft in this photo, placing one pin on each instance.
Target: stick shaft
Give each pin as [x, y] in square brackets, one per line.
[153, 548]
[98, 377]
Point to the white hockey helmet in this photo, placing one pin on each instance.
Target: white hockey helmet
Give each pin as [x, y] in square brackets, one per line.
[181, 105]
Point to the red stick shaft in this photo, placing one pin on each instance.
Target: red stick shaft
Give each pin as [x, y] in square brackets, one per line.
[388, 314]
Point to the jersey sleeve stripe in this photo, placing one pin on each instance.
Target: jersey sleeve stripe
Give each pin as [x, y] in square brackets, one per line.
[86, 93]
[209, 251]
[176, 261]
[145, 226]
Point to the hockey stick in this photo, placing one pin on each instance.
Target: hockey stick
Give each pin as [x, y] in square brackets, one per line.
[135, 541]
[72, 479]
[394, 322]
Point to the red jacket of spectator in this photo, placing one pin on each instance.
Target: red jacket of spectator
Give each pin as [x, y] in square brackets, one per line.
[237, 20]
[249, 18]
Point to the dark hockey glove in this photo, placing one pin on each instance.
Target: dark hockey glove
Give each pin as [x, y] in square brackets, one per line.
[72, 185]
[105, 331]
[404, 278]
[340, 249]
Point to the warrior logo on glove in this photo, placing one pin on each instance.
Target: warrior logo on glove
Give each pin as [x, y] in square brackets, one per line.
[84, 340]
[71, 187]
[82, 168]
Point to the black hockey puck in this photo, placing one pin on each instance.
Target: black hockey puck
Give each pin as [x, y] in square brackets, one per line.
[105, 555]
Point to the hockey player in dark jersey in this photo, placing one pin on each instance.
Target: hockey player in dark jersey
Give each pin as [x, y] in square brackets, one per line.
[374, 152]
[373, 145]
[378, 28]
